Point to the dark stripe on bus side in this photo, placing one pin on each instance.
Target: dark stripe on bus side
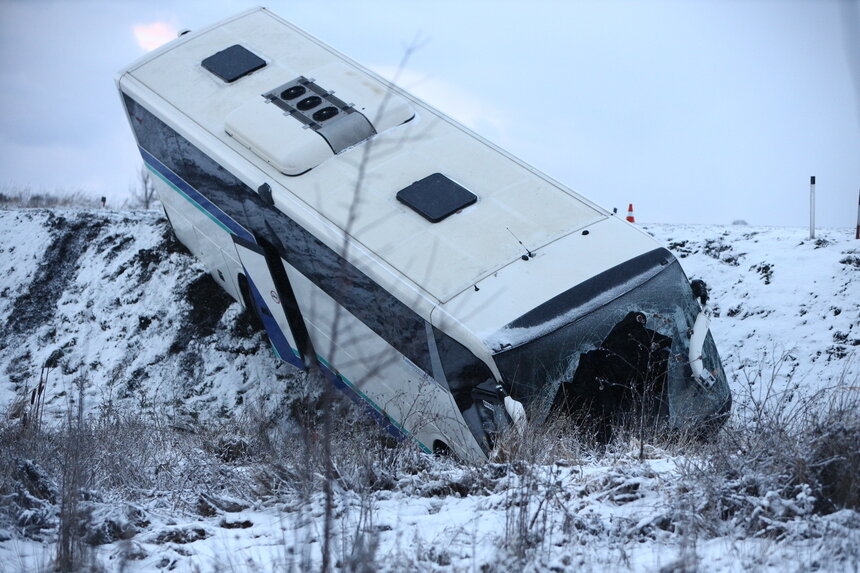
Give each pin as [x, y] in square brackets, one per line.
[383, 313]
[191, 194]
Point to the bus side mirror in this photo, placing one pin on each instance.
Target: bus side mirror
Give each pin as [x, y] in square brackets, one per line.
[700, 290]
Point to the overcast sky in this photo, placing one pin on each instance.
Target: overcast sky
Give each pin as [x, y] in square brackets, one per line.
[702, 112]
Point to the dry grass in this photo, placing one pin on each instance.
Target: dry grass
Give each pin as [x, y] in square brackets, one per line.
[781, 463]
[20, 196]
[785, 459]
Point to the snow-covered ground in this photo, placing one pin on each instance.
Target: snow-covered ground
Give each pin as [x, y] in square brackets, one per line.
[781, 301]
[105, 305]
[110, 296]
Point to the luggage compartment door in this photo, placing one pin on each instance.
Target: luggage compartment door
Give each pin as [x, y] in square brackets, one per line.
[270, 301]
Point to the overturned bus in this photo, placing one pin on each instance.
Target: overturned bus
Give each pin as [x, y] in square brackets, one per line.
[448, 286]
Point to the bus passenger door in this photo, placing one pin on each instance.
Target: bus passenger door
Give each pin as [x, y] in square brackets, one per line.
[273, 302]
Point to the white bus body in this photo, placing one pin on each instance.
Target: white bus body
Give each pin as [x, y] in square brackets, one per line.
[422, 268]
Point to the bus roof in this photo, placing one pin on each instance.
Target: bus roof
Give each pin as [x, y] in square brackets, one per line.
[363, 179]
[513, 203]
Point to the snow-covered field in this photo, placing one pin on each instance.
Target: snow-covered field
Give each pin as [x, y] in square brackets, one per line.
[105, 306]
[781, 301]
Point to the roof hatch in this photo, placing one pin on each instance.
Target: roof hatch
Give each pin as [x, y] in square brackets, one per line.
[233, 63]
[436, 197]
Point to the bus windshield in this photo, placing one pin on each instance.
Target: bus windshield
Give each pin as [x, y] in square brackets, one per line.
[600, 354]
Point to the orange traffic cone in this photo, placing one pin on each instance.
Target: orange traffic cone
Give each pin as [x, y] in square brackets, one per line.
[630, 217]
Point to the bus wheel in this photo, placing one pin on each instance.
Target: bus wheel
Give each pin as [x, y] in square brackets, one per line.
[440, 448]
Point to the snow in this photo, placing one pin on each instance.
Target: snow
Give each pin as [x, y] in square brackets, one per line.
[779, 299]
[117, 310]
[120, 319]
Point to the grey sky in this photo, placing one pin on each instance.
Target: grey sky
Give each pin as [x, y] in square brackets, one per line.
[704, 111]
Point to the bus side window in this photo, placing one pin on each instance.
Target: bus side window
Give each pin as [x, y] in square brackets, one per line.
[474, 390]
[463, 371]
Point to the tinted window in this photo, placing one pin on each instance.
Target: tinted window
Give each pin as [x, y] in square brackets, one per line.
[463, 370]
[475, 390]
[638, 339]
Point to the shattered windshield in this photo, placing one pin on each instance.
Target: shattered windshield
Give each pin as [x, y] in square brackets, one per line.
[618, 343]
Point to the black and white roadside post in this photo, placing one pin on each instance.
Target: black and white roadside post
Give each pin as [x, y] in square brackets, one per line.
[812, 207]
[857, 234]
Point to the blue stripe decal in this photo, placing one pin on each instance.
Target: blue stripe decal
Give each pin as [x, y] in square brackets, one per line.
[344, 385]
[282, 348]
[195, 197]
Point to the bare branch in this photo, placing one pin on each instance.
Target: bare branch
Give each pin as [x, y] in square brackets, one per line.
[143, 195]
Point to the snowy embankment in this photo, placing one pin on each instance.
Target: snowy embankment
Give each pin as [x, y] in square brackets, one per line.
[183, 397]
[113, 298]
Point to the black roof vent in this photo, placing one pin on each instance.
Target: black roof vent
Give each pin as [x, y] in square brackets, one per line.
[325, 113]
[233, 63]
[309, 102]
[436, 197]
[293, 92]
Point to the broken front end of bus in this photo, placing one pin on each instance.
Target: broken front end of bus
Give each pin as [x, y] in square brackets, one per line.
[630, 345]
